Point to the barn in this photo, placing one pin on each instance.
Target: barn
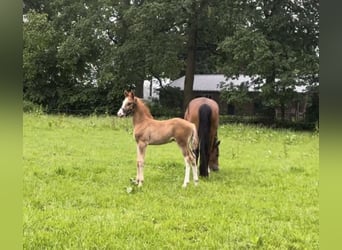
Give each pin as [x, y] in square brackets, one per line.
[210, 85]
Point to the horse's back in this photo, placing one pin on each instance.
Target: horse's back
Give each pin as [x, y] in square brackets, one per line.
[196, 102]
[192, 111]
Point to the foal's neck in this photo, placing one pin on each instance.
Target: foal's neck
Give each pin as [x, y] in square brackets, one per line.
[141, 112]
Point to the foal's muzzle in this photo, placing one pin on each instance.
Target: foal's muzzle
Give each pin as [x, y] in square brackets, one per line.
[121, 113]
[124, 112]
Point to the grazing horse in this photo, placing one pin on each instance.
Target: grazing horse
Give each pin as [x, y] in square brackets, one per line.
[204, 113]
[150, 131]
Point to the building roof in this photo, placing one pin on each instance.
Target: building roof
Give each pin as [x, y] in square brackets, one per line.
[213, 82]
[210, 82]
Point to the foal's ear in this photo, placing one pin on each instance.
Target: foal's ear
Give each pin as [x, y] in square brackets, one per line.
[126, 93]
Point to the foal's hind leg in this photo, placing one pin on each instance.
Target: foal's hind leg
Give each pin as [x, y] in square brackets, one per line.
[194, 173]
[190, 161]
[187, 163]
[187, 171]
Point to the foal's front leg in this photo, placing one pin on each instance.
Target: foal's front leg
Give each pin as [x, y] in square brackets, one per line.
[141, 148]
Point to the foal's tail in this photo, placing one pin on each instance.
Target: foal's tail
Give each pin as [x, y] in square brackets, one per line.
[204, 127]
[193, 142]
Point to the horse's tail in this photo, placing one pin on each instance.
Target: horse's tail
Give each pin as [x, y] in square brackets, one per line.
[204, 127]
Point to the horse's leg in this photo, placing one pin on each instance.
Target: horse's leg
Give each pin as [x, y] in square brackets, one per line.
[141, 149]
[213, 136]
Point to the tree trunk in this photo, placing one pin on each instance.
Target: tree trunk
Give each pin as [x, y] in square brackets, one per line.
[270, 80]
[190, 64]
[139, 89]
[282, 103]
[197, 9]
[282, 111]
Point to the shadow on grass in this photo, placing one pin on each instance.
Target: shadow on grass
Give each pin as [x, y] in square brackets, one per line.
[167, 171]
[230, 176]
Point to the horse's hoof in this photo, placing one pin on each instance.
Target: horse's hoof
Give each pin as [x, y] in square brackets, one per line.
[184, 185]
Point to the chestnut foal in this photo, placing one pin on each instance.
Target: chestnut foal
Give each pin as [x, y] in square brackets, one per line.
[150, 131]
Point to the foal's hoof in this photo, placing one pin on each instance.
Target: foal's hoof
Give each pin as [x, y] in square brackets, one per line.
[184, 185]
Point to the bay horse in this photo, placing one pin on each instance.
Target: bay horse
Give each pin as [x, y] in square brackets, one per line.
[204, 113]
[148, 131]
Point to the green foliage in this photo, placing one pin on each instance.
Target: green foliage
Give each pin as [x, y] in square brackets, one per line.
[265, 121]
[160, 111]
[171, 97]
[251, 52]
[30, 107]
[236, 94]
[39, 59]
[277, 42]
[78, 194]
[78, 56]
[313, 109]
[169, 103]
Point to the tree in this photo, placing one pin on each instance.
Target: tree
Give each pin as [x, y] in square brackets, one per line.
[146, 41]
[113, 45]
[39, 59]
[99, 48]
[278, 42]
[64, 75]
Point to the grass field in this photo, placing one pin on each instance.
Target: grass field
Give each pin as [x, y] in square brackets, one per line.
[78, 194]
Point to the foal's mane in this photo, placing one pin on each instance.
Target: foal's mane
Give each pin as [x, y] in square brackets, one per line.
[143, 107]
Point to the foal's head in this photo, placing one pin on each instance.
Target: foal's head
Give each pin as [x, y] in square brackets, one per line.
[128, 104]
[214, 155]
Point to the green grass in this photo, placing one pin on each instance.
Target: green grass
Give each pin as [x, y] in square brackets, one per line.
[78, 193]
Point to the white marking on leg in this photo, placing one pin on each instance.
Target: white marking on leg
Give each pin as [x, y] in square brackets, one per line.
[187, 172]
[195, 174]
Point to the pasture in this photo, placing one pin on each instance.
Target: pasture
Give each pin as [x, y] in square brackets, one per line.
[78, 193]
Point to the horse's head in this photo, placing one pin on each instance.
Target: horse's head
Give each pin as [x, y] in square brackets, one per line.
[214, 155]
[128, 104]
